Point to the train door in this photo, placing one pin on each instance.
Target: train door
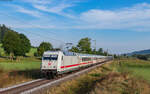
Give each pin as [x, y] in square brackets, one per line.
[62, 63]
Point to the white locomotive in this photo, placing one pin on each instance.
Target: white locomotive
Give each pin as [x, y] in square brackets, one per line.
[59, 62]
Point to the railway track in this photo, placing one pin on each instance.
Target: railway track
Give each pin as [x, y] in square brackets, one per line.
[24, 87]
[39, 85]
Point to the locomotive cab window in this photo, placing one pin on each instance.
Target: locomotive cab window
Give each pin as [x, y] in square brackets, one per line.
[51, 57]
[45, 58]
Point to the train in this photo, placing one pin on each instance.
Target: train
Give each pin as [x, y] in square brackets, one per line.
[60, 62]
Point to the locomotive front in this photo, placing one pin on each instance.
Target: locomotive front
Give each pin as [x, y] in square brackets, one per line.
[49, 64]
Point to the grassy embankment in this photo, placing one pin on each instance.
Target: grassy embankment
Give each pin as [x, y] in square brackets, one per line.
[14, 72]
[126, 76]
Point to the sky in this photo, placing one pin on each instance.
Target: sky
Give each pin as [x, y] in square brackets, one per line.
[119, 26]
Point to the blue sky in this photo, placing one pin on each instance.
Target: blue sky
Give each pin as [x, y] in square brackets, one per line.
[121, 26]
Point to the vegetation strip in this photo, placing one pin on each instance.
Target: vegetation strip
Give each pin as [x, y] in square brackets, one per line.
[112, 78]
[55, 82]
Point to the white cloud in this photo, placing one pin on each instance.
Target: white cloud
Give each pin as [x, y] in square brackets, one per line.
[132, 18]
[30, 12]
[60, 7]
[135, 18]
[55, 7]
[37, 1]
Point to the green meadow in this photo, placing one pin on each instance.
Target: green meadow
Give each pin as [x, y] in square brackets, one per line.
[138, 68]
[15, 72]
[23, 65]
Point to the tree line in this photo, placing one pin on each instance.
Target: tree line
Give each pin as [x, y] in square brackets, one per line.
[17, 44]
[84, 46]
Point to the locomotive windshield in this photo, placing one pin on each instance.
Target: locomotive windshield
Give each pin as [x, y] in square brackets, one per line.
[50, 57]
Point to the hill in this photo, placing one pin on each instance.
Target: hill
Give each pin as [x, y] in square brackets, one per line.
[142, 52]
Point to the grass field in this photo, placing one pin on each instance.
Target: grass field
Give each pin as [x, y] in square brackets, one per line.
[20, 66]
[23, 64]
[125, 76]
[16, 72]
[32, 51]
[137, 67]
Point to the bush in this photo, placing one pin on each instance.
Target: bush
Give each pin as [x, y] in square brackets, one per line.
[142, 57]
[36, 54]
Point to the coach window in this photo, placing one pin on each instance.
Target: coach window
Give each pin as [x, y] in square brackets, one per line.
[86, 59]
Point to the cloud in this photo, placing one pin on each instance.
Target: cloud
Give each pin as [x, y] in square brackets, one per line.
[53, 6]
[30, 12]
[37, 1]
[133, 18]
[55, 9]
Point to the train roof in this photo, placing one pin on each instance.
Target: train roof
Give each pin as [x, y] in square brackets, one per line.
[79, 54]
[88, 55]
[67, 53]
[46, 53]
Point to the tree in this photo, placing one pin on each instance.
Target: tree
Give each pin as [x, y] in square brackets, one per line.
[16, 44]
[105, 53]
[44, 46]
[74, 49]
[93, 51]
[84, 45]
[142, 57]
[3, 30]
[100, 51]
[25, 44]
[56, 49]
[115, 56]
[11, 43]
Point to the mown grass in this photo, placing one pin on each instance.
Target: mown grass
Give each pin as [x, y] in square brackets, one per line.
[118, 77]
[31, 52]
[23, 64]
[20, 66]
